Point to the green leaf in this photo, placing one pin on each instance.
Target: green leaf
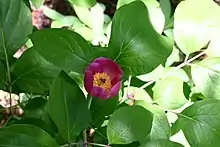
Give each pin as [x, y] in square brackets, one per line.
[2, 75]
[14, 16]
[129, 124]
[83, 3]
[193, 27]
[206, 76]
[161, 143]
[168, 93]
[37, 3]
[155, 13]
[68, 107]
[134, 43]
[200, 123]
[25, 136]
[35, 108]
[101, 108]
[160, 125]
[64, 48]
[166, 8]
[32, 73]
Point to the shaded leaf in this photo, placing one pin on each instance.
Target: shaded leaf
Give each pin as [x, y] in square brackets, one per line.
[161, 143]
[14, 16]
[32, 73]
[66, 105]
[25, 136]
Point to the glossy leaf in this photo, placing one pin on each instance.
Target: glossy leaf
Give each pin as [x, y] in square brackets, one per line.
[206, 76]
[83, 3]
[200, 123]
[14, 16]
[64, 48]
[193, 27]
[161, 143]
[32, 73]
[155, 13]
[168, 93]
[66, 105]
[136, 46]
[160, 125]
[25, 136]
[129, 124]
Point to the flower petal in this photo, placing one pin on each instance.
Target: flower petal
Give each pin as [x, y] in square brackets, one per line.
[99, 93]
[88, 81]
[110, 67]
[115, 89]
[95, 67]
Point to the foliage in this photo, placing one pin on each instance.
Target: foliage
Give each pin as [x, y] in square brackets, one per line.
[170, 89]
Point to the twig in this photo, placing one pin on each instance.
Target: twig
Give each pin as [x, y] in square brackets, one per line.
[178, 67]
[8, 69]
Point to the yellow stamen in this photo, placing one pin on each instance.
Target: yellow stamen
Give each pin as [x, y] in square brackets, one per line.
[102, 80]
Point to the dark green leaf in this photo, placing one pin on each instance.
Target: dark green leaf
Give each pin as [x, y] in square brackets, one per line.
[101, 108]
[161, 143]
[134, 43]
[200, 123]
[14, 15]
[83, 3]
[129, 124]
[38, 123]
[64, 48]
[68, 107]
[2, 75]
[166, 8]
[33, 73]
[25, 136]
[160, 125]
[35, 108]
[206, 76]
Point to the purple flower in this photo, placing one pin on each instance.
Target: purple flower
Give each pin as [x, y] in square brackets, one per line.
[103, 78]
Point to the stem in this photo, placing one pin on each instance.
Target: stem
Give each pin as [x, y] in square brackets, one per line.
[84, 132]
[88, 143]
[147, 84]
[69, 144]
[190, 60]
[178, 67]
[85, 138]
[97, 144]
[8, 70]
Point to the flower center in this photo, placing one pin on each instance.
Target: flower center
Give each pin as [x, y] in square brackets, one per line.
[102, 80]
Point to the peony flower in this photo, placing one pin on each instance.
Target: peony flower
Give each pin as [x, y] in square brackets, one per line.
[103, 78]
